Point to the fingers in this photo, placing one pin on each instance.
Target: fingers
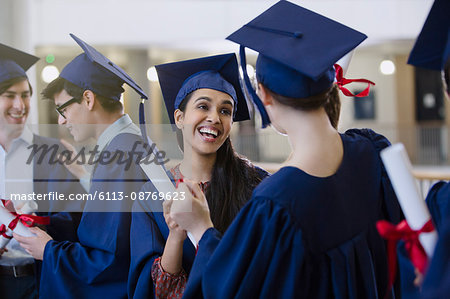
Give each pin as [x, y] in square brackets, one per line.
[167, 204]
[36, 230]
[194, 188]
[20, 239]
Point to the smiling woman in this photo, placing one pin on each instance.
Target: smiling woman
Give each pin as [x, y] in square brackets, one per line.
[203, 98]
[208, 113]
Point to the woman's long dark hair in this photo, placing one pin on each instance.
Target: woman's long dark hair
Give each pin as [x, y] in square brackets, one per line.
[329, 99]
[232, 182]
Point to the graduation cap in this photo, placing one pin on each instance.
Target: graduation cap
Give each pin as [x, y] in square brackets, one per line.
[92, 70]
[297, 50]
[219, 72]
[14, 63]
[432, 47]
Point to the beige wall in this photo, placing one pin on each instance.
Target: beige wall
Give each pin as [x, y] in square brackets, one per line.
[405, 102]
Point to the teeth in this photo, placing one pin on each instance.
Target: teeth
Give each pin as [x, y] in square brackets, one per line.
[209, 131]
[17, 115]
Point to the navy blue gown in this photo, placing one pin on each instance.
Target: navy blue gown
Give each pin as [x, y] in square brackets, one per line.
[54, 177]
[97, 265]
[149, 233]
[437, 279]
[303, 236]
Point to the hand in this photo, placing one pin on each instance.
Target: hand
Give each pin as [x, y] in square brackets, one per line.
[76, 167]
[176, 233]
[191, 213]
[34, 245]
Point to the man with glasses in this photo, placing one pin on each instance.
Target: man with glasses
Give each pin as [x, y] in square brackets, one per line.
[18, 271]
[87, 95]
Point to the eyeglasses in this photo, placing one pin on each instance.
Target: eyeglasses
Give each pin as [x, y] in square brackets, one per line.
[61, 108]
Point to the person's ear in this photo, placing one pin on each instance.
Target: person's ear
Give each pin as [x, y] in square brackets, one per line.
[264, 95]
[89, 98]
[178, 115]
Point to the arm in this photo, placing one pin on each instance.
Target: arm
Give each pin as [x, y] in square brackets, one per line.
[168, 275]
[171, 259]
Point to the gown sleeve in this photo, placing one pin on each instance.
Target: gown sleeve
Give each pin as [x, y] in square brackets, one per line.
[437, 280]
[148, 236]
[391, 208]
[253, 259]
[168, 285]
[393, 213]
[147, 243]
[438, 202]
[97, 265]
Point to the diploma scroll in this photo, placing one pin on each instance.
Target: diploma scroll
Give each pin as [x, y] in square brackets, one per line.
[162, 182]
[399, 169]
[29, 207]
[5, 218]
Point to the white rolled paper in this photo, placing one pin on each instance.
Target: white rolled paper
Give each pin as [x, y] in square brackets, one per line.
[162, 182]
[344, 62]
[5, 218]
[399, 169]
[29, 207]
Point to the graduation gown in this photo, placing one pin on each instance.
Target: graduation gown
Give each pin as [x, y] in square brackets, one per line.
[149, 233]
[437, 279]
[303, 236]
[54, 177]
[97, 265]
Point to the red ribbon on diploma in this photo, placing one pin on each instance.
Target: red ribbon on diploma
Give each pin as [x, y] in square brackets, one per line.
[28, 220]
[341, 81]
[3, 231]
[393, 233]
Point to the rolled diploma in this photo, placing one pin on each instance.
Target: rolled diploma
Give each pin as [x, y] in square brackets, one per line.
[399, 169]
[162, 182]
[29, 207]
[5, 218]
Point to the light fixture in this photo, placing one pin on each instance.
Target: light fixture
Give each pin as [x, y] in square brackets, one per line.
[387, 67]
[152, 75]
[49, 73]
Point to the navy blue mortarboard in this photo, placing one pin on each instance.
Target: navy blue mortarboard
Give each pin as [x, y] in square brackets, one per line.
[220, 72]
[432, 47]
[14, 63]
[297, 50]
[92, 70]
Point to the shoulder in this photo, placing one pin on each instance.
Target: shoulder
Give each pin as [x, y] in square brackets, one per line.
[262, 174]
[378, 141]
[438, 202]
[281, 187]
[38, 139]
[126, 142]
[49, 142]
